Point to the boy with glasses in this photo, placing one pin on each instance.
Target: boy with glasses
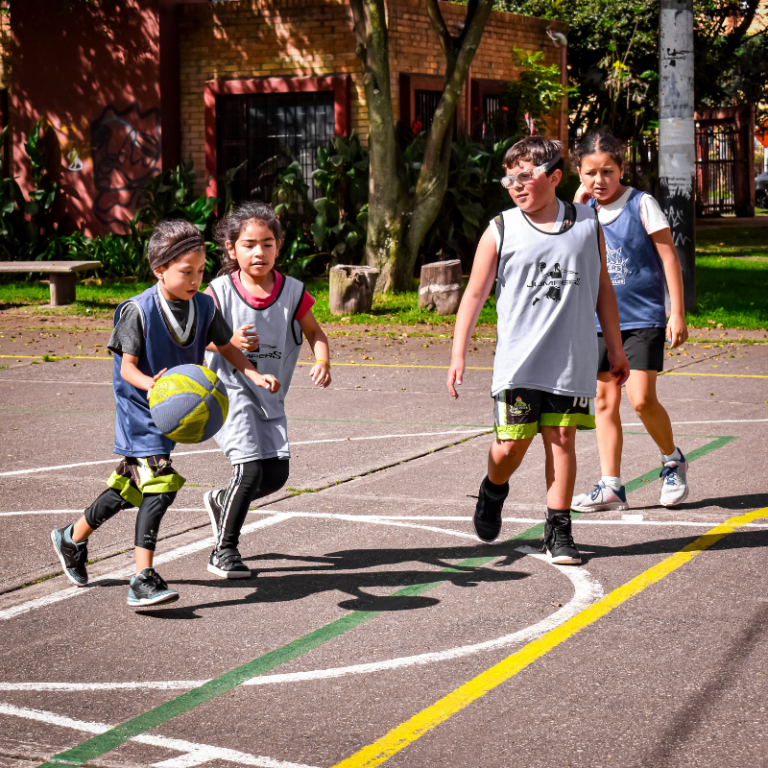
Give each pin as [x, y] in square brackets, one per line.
[548, 260]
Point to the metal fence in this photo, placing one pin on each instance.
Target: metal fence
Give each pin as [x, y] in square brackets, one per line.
[716, 169]
[258, 128]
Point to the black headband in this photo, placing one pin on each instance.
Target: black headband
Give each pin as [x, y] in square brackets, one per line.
[191, 243]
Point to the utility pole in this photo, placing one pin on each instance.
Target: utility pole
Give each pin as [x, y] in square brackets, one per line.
[677, 134]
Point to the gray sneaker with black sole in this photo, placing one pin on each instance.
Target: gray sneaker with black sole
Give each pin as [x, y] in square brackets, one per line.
[73, 556]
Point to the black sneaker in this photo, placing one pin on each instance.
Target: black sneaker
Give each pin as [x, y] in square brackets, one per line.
[148, 588]
[228, 564]
[211, 501]
[487, 517]
[73, 556]
[558, 541]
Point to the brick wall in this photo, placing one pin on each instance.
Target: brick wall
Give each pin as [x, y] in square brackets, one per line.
[284, 38]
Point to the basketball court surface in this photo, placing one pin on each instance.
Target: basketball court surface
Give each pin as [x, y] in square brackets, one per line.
[376, 629]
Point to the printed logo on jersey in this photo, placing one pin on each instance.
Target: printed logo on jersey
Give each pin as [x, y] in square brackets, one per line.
[554, 280]
[617, 266]
[264, 350]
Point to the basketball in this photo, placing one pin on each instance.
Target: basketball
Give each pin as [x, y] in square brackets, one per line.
[189, 404]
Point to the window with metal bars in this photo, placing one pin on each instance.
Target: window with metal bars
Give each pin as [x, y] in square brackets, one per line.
[497, 124]
[258, 128]
[425, 105]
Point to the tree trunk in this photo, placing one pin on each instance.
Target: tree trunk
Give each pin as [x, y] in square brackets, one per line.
[440, 287]
[399, 218]
[351, 289]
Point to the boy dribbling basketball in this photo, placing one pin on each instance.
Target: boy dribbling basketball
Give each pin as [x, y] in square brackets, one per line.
[548, 258]
[167, 325]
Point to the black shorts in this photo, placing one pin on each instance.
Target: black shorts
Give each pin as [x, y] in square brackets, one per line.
[521, 413]
[644, 348]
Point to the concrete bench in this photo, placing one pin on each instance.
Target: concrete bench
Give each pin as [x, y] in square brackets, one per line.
[62, 274]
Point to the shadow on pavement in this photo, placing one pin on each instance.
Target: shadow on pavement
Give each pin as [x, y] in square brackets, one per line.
[699, 711]
[297, 583]
[741, 539]
[748, 502]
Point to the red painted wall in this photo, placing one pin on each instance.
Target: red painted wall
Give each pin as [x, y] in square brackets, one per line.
[95, 73]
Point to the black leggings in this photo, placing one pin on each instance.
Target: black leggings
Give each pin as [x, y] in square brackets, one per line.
[250, 481]
[148, 517]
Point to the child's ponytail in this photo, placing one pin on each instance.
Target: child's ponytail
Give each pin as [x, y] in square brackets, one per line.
[228, 229]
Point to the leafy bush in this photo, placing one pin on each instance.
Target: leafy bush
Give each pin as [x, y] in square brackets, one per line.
[28, 225]
[289, 199]
[339, 229]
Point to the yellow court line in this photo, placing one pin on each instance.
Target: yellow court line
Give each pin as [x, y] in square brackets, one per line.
[56, 357]
[406, 733]
[720, 375]
[395, 365]
[400, 365]
[490, 368]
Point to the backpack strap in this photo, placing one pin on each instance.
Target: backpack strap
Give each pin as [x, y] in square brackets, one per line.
[499, 222]
[569, 218]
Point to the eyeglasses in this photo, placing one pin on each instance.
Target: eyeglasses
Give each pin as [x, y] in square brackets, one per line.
[525, 176]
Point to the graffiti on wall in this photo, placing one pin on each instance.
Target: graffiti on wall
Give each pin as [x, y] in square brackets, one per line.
[125, 147]
[74, 150]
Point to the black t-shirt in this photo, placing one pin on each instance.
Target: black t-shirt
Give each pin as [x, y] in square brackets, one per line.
[128, 335]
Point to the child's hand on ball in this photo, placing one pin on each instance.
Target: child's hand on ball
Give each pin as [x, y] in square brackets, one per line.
[153, 381]
[246, 339]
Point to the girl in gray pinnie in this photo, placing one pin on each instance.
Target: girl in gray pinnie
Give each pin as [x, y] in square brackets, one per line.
[270, 312]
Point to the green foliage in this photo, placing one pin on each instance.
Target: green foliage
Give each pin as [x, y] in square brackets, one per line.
[613, 55]
[537, 90]
[342, 178]
[29, 224]
[289, 199]
[473, 196]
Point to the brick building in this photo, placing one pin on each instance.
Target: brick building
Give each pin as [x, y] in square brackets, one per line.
[133, 86]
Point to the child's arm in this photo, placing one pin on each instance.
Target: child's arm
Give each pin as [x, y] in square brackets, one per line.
[677, 330]
[237, 359]
[608, 314]
[478, 288]
[318, 342]
[130, 372]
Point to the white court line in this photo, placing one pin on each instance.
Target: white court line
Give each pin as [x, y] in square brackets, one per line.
[218, 450]
[166, 557]
[193, 754]
[587, 590]
[80, 511]
[451, 518]
[382, 519]
[718, 421]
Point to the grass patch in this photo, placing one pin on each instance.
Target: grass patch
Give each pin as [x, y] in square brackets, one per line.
[394, 309]
[730, 291]
[730, 287]
[731, 237]
[92, 300]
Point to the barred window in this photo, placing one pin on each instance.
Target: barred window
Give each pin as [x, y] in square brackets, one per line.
[257, 128]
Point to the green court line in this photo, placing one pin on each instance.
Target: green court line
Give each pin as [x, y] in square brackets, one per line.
[696, 453]
[106, 742]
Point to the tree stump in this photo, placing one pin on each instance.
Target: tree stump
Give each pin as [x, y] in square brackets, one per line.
[440, 287]
[351, 289]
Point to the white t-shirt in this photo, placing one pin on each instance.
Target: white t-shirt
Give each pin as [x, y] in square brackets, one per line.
[651, 215]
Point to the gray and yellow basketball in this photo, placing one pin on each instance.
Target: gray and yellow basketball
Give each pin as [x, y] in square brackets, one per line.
[189, 404]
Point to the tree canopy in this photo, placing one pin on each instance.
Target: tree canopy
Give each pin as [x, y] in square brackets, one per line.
[613, 57]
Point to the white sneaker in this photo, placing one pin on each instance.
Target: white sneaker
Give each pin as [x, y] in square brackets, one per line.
[674, 482]
[601, 497]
